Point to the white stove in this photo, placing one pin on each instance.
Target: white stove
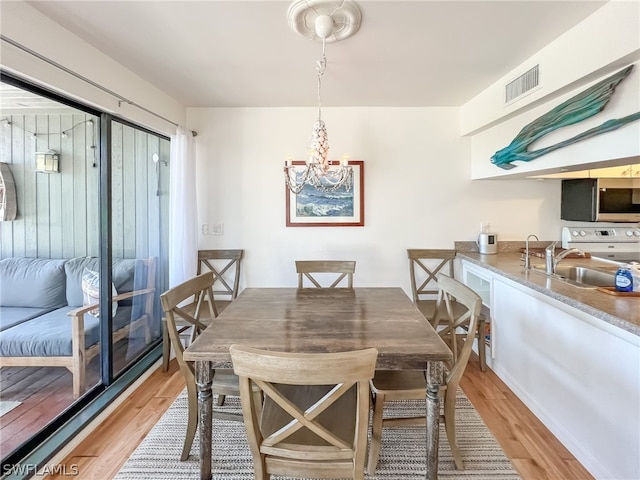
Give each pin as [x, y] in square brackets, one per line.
[618, 243]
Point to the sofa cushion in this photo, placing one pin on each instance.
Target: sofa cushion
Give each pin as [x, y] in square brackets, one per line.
[50, 334]
[74, 269]
[32, 282]
[128, 274]
[91, 292]
[10, 316]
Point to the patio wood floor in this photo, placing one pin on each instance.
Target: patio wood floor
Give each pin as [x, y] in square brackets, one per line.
[44, 393]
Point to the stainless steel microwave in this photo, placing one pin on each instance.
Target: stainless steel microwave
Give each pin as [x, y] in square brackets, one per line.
[601, 200]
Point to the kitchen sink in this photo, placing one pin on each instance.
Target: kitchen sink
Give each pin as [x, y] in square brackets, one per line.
[580, 276]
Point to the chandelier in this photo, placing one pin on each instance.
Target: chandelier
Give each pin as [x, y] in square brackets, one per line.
[318, 171]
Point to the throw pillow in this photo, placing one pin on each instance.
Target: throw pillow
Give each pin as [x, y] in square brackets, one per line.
[91, 292]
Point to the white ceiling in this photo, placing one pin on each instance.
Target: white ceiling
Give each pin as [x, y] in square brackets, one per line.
[17, 101]
[239, 53]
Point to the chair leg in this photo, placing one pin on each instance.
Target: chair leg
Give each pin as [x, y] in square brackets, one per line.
[260, 470]
[482, 345]
[166, 346]
[220, 400]
[376, 434]
[78, 376]
[450, 427]
[192, 421]
[147, 332]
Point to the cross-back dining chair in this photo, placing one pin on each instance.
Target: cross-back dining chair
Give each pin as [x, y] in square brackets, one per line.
[390, 385]
[315, 416]
[424, 266]
[225, 382]
[343, 268]
[225, 266]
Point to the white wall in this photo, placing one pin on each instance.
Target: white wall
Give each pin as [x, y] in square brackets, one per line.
[418, 191]
[23, 24]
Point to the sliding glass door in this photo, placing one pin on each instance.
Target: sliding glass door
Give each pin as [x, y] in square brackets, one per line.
[139, 226]
[83, 258]
[49, 350]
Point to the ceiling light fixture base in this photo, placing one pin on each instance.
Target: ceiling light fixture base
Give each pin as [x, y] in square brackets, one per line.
[322, 19]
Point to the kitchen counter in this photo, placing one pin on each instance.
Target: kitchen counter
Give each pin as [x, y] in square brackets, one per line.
[618, 311]
[566, 352]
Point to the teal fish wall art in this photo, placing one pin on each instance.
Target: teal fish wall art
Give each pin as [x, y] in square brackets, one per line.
[578, 108]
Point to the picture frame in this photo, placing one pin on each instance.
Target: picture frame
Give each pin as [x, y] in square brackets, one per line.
[314, 208]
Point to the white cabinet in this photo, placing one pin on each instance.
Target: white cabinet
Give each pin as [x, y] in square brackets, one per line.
[477, 279]
[578, 374]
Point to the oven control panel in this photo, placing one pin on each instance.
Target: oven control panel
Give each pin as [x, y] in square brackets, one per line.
[618, 243]
[588, 234]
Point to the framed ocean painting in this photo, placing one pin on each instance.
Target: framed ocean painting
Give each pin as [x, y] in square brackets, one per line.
[340, 208]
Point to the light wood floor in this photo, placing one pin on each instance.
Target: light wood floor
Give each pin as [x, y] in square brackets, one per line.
[534, 451]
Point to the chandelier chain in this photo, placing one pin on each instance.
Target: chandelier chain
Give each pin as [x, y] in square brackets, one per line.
[321, 67]
[319, 172]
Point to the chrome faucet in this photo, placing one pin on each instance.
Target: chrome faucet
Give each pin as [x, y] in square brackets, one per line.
[552, 260]
[527, 264]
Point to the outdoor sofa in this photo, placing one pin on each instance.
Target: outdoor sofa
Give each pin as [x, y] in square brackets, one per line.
[43, 321]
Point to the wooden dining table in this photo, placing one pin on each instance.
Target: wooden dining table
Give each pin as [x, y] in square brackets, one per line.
[313, 320]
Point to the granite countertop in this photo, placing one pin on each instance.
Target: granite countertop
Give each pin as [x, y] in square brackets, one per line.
[622, 312]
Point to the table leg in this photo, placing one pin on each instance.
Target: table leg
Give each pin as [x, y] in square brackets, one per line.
[204, 377]
[434, 377]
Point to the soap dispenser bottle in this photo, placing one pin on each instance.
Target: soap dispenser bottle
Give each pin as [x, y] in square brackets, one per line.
[624, 279]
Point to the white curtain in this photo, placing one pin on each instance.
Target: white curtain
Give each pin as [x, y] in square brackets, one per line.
[183, 216]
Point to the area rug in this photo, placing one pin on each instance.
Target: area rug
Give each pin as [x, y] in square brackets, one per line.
[402, 456]
[7, 405]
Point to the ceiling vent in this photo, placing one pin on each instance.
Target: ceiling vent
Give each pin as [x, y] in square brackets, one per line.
[521, 86]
